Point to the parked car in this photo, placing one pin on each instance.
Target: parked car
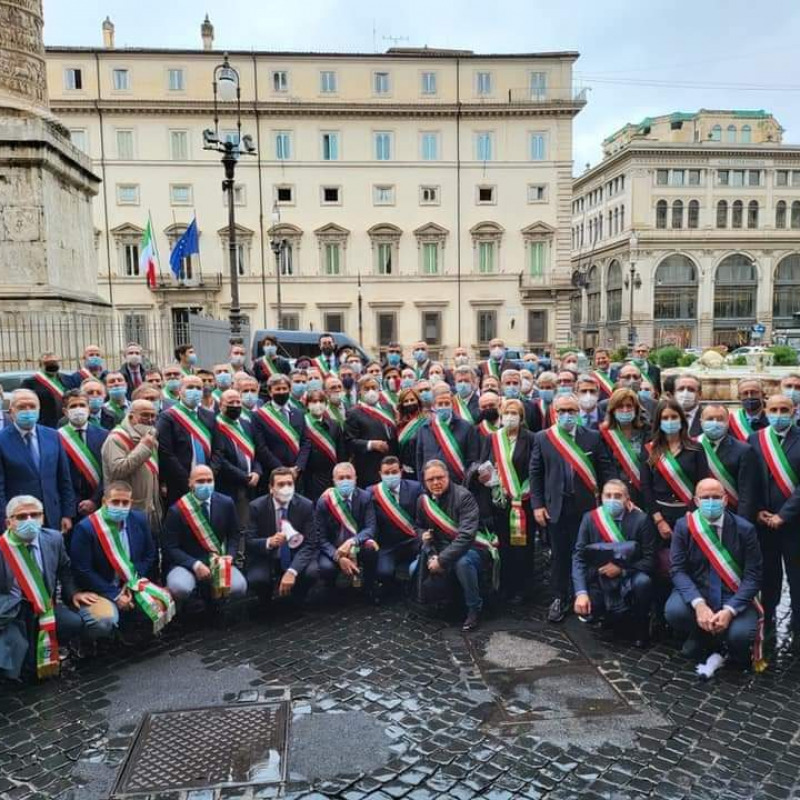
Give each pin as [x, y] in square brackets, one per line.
[744, 351]
[294, 344]
[10, 381]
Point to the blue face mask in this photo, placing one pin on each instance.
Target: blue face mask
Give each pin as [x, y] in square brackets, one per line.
[406, 383]
[669, 426]
[624, 417]
[614, 506]
[173, 384]
[117, 393]
[777, 422]
[564, 390]
[391, 481]
[94, 362]
[512, 392]
[464, 388]
[567, 420]
[426, 395]
[711, 507]
[645, 394]
[95, 404]
[420, 355]
[714, 429]
[792, 394]
[249, 399]
[444, 414]
[546, 395]
[314, 384]
[270, 350]
[393, 359]
[28, 529]
[298, 389]
[191, 397]
[203, 491]
[346, 487]
[117, 513]
[224, 380]
[27, 419]
[192, 359]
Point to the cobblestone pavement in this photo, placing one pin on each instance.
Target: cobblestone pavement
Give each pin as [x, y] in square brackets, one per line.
[387, 703]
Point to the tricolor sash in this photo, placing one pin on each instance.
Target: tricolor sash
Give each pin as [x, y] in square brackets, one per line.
[607, 526]
[740, 425]
[450, 448]
[241, 439]
[194, 426]
[81, 456]
[484, 540]
[217, 395]
[168, 395]
[376, 412]
[340, 511]
[31, 583]
[461, 409]
[270, 367]
[547, 413]
[410, 429]
[388, 399]
[604, 382]
[572, 452]
[125, 440]
[117, 410]
[720, 471]
[322, 365]
[155, 602]
[335, 414]
[730, 573]
[672, 472]
[493, 368]
[320, 438]
[777, 463]
[221, 564]
[624, 453]
[486, 428]
[517, 491]
[53, 385]
[393, 510]
[278, 423]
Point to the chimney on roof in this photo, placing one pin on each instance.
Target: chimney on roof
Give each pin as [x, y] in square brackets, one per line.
[207, 32]
[108, 34]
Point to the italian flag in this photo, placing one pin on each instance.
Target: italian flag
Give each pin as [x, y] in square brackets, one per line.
[147, 256]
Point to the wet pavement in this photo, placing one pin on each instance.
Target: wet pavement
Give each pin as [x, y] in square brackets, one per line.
[388, 703]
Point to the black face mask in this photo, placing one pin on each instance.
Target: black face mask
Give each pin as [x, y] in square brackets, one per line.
[751, 404]
[410, 409]
[348, 382]
[491, 415]
[52, 367]
[327, 351]
[233, 412]
[280, 399]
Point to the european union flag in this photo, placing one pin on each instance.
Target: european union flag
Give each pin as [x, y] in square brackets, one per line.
[186, 246]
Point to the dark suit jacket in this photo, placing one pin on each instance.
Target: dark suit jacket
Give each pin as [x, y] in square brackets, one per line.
[126, 373]
[655, 487]
[262, 525]
[696, 428]
[49, 407]
[51, 483]
[547, 473]
[328, 532]
[229, 465]
[260, 371]
[181, 548]
[690, 566]
[636, 526]
[93, 572]
[459, 504]
[770, 497]
[652, 372]
[389, 535]
[272, 451]
[465, 434]
[318, 475]
[80, 486]
[359, 429]
[741, 461]
[472, 405]
[483, 368]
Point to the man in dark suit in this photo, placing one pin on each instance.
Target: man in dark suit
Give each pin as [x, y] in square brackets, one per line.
[569, 464]
[344, 520]
[49, 385]
[465, 400]
[81, 615]
[188, 559]
[394, 357]
[269, 363]
[434, 443]
[133, 368]
[370, 433]
[395, 501]
[99, 415]
[281, 541]
[778, 503]
[497, 362]
[750, 417]
[185, 433]
[421, 362]
[588, 391]
[703, 605]
[652, 372]
[83, 444]
[688, 393]
[93, 365]
[33, 462]
[612, 578]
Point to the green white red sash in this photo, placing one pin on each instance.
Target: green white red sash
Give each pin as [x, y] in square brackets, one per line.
[493, 368]
[117, 410]
[376, 412]
[269, 366]
[278, 423]
[388, 399]
[446, 524]
[393, 510]
[410, 429]
[320, 438]
[221, 564]
[125, 440]
[235, 432]
[672, 472]
[335, 414]
[604, 382]
[155, 602]
[461, 409]
[322, 365]
[517, 491]
[624, 453]
[777, 462]
[730, 573]
[31, 583]
[486, 428]
[547, 413]
[217, 395]
[572, 452]
[81, 456]
[53, 385]
[450, 448]
[720, 470]
[340, 511]
[168, 395]
[607, 526]
[740, 425]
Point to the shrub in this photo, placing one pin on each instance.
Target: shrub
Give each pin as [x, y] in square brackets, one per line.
[739, 361]
[620, 354]
[686, 360]
[667, 357]
[783, 355]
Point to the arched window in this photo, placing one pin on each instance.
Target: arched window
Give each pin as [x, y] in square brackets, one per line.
[746, 138]
[716, 133]
[796, 214]
[677, 214]
[735, 288]
[786, 291]
[752, 214]
[694, 214]
[614, 292]
[780, 214]
[731, 134]
[675, 296]
[737, 214]
[593, 296]
[661, 214]
[722, 214]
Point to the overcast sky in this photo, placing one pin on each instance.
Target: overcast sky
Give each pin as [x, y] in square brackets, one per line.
[639, 59]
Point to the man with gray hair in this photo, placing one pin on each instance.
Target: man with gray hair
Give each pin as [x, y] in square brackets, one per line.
[750, 418]
[465, 402]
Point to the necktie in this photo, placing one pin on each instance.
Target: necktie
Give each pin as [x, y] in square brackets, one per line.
[33, 448]
[207, 509]
[285, 553]
[82, 434]
[137, 378]
[197, 448]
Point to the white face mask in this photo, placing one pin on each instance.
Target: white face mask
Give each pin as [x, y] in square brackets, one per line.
[317, 409]
[78, 416]
[335, 398]
[526, 385]
[587, 400]
[371, 397]
[511, 421]
[687, 398]
[436, 378]
[284, 495]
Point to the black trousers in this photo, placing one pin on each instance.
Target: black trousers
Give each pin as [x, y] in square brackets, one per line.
[562, 536]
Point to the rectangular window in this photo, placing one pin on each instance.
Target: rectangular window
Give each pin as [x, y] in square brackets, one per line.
[332, 253]
[384, 253]
[676, 177]
[125, 145]
[485, 257]
[486, 195]
[131, 260]
[121, 79]
[327, 85]
[737, 177]
[383, 146]
[284, 195]
[487, 326]
[429, 146]
[127, 194]
[428, 83]
[538, 86]
[432, 327]
[723, 177]
[73, 78]
[135, 329]
[380, 83]
[283, 145]
[429, 195]
[176, 80]
[383, 195]
[537, 326]
[782, 177]
[239, 195]
[483, 146]
[662, 177]
[79, 139]
[430, 258]
[538, 146]
[795, 177]
[290, 320]
[753, 177]
[333, 321]
[537, 192]
[280, 81]
[331, 196]
[538, 259]
[483, 83]
[387, 327]
[180, 194]
[179, 145]
[694, 177]
[330, 146]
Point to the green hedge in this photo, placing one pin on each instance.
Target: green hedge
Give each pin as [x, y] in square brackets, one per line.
[667, 357]
[783, 355]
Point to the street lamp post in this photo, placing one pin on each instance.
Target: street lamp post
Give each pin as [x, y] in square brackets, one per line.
[278, 246]
[634, 281]
[227, 89]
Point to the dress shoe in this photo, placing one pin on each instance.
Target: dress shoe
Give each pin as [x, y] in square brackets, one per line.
[471, 622]
[557, 611]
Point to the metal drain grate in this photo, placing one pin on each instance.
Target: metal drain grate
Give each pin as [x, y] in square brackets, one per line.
[207, 748]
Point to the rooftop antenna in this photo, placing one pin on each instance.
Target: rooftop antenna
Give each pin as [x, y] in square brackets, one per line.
[374, 36]
[395, 39]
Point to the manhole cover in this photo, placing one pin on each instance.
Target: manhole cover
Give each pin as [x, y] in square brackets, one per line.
[206, 748]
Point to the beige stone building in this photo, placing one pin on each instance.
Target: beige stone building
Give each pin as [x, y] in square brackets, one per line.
[706, 207]
[420, 192]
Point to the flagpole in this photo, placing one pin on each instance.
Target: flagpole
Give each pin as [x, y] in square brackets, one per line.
[181, 276]
[155, 245]
[199, 260]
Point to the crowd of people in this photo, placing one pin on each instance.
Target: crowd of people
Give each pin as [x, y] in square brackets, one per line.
[136, 493]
